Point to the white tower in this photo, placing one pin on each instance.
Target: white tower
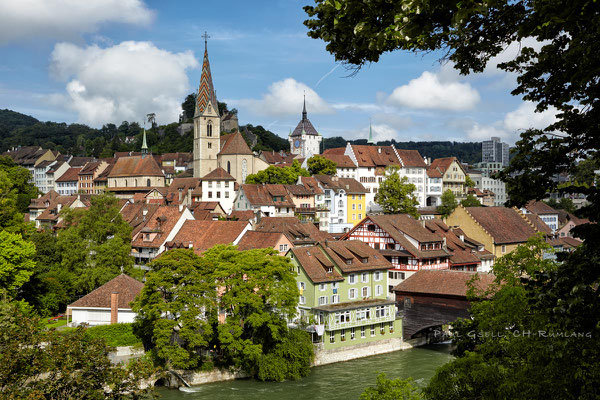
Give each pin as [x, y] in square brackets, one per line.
[305, 140]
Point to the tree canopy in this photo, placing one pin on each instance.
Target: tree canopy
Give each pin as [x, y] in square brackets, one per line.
[470, 201]
[448, 204]
[241, 301]
[273, 174]
[396, 195]
[319, 165]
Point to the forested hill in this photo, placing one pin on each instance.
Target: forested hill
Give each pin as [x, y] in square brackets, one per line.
[18, 129]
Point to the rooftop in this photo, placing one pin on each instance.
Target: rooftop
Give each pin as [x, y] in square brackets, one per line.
[127, 287]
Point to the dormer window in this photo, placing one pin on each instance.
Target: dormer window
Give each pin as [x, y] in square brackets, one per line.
[364, 260]
[371, 228]
[329, 270]
[349, 261]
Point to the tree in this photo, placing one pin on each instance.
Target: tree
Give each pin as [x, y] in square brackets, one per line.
[449, 203]
[36, 363]
[16, 261]
[469, 182]
[392, 389]
[189, 106]
[396, 195]
[319, 165]
[232, 303]
[96, 244]
[273, 174]
[470, 201]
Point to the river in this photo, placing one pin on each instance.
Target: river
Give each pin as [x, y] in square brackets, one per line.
[345, 380]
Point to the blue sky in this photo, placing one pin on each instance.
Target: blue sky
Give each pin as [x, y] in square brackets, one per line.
[99, 61]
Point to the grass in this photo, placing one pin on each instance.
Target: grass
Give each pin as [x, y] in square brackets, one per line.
[56, 323]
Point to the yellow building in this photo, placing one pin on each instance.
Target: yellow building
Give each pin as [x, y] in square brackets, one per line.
[356, 204]
[499, 229]
[453, 175]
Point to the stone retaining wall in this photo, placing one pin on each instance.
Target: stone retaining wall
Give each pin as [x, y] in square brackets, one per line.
[323, 357]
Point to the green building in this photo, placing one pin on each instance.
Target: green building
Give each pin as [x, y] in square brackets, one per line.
[343, 293]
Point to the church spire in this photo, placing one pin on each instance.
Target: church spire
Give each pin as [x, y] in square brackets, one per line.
[144, 144]
[304, 108]
[206, 91]
[370, 141]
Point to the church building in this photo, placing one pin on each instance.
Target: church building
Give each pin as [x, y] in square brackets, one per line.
[211, 150]
[305, 140]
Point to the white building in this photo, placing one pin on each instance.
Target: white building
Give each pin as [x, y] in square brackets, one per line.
[219, 186]
[108, 304]
[272, 200]
[433, 191]
[68, 182]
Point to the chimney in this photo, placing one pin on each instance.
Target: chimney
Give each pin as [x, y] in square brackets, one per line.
[379, 150]
[114, 307]
[444, 242]
[180, 194]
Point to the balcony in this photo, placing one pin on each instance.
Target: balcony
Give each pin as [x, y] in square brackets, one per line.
[364, 322]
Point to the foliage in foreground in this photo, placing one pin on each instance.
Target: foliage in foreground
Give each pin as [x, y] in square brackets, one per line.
[35, 363]
[392, 389]
[319, 165]
[448, 203]
[228, 307]
[285, 175]
[115, 335]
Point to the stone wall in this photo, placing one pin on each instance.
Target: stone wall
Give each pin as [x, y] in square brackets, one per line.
[323, 357]
[194, 378]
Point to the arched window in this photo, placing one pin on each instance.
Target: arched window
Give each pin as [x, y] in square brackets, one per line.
[228, 167]
[148, 182]
[125, 182]
[136, 185]
[209, 128]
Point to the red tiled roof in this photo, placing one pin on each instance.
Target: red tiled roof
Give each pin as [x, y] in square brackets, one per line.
[259, 240]
[443, 282]
[234, 143]
[434, 172]
[312, 184]
[218, 174]
[461, 254]
[135, 166]
[540, 208]
[411, 158]
[89, 168]
[350, 185]
[203, 235]
[262, 195]
[341, 160]
[373, 156]
[335, 150]
[70, 175]
[241, 215]
[444, 163]
[273, 157]
[296, 231]
[40, 202]
[127, 287]
[315, 264]
[537, 222]
[162, 222]
[356, 252]
[504, 224]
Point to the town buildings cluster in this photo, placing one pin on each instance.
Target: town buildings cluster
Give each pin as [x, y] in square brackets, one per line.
[350, 259]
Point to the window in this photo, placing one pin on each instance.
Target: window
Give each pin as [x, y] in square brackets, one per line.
[335, 299]
[359, 216]
[282, 247]
[210, 195]
[148, 182]
[226, 195]
[352, 279]
[352, 294]
[364, 277]
[378, 290]
[322, 300]
[209, 184]
[372, 330]
[342, 317]
[353, 216]
[228, 170]
[371, 228]
[363, 314]
[377, 276]
[343, 335]
[352, 333]
[365, 291]
[209, 145]
[407, 302]
[382, 329]
[391, 327]
[301, 286]
[302, 300]
[503, 249]
[209, 128]
[335, 286]
[331, 337]
[381, 311]
[218, 195]
[362, 332]
[322, 286]
[359, 207]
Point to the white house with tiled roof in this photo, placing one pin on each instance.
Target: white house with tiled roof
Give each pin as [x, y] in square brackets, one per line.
[218, 185]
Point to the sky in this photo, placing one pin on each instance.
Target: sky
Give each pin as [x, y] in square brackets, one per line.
[106, 61]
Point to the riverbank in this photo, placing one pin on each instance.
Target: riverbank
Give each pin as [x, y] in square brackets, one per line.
[344, 380]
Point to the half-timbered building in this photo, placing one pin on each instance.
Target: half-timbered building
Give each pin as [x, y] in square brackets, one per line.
[403, 241]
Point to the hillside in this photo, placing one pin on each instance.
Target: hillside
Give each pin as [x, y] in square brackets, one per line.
[18, 129]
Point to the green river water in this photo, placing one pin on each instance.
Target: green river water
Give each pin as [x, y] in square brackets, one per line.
[344, 380]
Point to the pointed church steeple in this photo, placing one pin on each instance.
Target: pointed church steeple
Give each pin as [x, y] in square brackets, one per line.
[370, 141]
[144, 144]
[206, 91]
[304, 114]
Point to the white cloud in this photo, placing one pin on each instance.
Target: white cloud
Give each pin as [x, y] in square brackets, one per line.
[429, 91]
[525, 117]
[65, 19]
[514, 122]
[122, 82]
[285, 98]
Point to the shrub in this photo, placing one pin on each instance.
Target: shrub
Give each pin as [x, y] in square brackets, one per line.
[289, 359]
[115, 334]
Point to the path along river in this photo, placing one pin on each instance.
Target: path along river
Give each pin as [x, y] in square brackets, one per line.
[344, 380]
